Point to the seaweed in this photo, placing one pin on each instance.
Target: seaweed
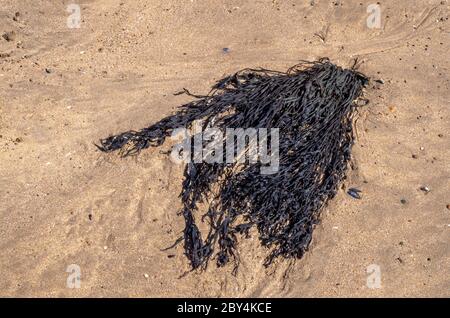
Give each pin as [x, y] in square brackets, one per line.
[313, 105]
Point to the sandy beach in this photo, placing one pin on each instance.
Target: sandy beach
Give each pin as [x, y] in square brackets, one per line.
[67, 82]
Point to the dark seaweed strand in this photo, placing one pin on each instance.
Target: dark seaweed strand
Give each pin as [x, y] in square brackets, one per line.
[313, 105]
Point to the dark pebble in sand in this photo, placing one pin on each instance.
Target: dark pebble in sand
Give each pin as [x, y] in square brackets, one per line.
[403, 201]
[354, 193]
[226, 50]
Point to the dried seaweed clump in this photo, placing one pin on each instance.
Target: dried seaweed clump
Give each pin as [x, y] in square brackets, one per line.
[313, 106]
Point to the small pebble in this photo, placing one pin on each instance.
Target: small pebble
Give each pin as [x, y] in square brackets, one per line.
[146, 275]
[105, 247]
[448, 206]
[226, 50]
[425, 189]
[354, 193]
[403, 201]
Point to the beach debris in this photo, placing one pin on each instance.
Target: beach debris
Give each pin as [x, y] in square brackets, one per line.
[312, 107]
[392, 109]
[9, 36]
[321, 36]
[354, 193]
[4, 55]
[403, 201]
[425, 189]
[226, 50]
[16, 16]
